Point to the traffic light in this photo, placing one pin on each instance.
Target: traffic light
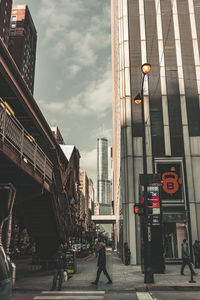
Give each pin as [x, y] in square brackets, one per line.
[139, 209]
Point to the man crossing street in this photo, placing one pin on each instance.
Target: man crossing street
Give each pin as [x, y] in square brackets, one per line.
[101, 263]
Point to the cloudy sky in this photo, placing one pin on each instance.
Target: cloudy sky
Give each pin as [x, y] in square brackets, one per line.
[73, 71]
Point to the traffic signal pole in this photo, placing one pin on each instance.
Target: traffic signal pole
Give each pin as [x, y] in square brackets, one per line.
[148, 272]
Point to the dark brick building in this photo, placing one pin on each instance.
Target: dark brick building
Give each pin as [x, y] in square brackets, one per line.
[5, 13]
[22, 42]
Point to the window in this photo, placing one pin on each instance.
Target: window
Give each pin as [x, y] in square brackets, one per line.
[14, 18]
[13, 25]
[11, 42]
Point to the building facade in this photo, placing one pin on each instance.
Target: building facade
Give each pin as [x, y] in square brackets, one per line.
[5, 13]
[72, 183]
[165, 34]
[58, 136]
[22, 42]
[91, 195]
[84, 189]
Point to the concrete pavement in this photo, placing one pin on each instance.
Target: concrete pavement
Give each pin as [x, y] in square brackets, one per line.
[125, 278]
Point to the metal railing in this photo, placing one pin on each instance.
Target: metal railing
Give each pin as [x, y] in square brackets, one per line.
[16, 137]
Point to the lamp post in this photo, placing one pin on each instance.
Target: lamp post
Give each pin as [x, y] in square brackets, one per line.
[148, 273]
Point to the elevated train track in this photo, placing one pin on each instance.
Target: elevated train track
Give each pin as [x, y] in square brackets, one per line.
[31, 160]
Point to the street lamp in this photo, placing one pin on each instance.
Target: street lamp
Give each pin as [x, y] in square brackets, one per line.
[146, 68]
[148, 273]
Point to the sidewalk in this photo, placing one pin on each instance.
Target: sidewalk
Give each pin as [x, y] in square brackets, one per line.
[125, 278]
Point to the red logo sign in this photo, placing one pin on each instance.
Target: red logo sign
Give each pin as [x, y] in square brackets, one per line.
[171, 182]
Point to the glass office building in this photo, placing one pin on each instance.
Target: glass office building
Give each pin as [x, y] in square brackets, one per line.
[165, 34]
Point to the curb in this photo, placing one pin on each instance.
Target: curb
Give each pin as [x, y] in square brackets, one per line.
[111, 290]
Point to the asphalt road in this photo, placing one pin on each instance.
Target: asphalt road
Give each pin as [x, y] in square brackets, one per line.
[179, 295]
[102, 295]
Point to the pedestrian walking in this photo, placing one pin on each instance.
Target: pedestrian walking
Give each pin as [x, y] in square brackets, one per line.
[101, 263]
[196, 250]
[198, 258]
[59, 268]
[65, 248]
[34, 254]
[186, 258]
[127, 254]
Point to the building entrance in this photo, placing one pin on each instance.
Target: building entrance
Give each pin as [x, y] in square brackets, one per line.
[174, 233]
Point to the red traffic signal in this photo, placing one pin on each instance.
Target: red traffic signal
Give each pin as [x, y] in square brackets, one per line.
[136, 209]
[139, 209]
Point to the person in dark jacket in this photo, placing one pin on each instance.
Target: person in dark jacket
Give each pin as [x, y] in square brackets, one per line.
[60, 265]
[65, 248]
[199, 254]
[196, 250]
[186, 258]
[101, 264]
[127, 254]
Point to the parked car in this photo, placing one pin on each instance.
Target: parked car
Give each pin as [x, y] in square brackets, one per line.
[5, 276]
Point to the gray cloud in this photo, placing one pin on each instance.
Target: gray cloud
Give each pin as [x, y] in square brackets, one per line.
[96, 98]
[73, 70]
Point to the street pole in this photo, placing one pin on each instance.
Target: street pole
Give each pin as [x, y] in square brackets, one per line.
[148, 273]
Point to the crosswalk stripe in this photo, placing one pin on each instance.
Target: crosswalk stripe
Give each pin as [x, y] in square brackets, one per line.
[71, 297]
[144, 296]
[74, 292]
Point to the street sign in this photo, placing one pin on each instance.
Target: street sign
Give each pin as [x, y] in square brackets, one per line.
[156, 220]
[156, 211]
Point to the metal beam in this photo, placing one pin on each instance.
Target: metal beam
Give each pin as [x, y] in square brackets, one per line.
[104, 219]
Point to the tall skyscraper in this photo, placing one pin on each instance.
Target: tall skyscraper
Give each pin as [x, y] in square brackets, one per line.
[165, 34]
[103, 183]
[22, 42]
[5, 13]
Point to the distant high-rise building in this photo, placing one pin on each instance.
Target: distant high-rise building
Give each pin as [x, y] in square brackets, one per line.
[103, 205]
[5, 13]
[84, 189]
[91, 195]
[103, 184]
[22, 42]
[83, 182]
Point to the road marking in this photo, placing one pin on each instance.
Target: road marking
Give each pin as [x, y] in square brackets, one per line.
[70, 297]
[144, 296]
[74, 292]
